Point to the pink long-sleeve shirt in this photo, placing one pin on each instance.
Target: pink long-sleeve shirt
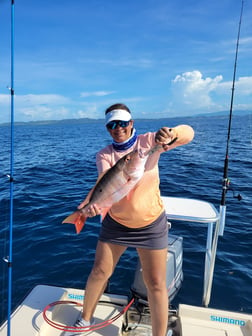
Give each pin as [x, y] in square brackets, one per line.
[143, 205]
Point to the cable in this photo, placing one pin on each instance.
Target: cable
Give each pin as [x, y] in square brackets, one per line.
[93, 327]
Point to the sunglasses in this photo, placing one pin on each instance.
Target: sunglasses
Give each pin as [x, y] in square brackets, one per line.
[113, 124]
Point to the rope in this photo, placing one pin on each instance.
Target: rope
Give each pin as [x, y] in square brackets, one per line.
[92, 327]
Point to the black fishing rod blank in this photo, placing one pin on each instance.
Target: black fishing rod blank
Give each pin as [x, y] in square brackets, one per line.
[225, 180]
[220, 224]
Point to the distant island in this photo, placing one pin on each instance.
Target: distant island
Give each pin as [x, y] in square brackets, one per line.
[90, 120]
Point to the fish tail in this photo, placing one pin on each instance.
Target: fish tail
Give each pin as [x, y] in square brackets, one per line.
[78, 219]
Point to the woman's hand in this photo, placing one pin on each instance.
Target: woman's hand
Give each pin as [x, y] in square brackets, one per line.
[166, 136]
[90, 210]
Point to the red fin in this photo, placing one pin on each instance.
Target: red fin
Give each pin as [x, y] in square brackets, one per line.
[78, 219]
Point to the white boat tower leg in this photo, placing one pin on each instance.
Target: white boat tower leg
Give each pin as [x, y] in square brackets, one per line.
[192, 210]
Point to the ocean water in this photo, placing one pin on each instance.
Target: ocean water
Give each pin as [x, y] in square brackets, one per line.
[54, 170]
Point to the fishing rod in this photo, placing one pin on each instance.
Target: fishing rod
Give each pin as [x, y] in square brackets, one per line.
[8, 259]
[225, 180]
[220, 224]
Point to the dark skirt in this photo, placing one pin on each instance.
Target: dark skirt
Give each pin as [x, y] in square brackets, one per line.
[153, 236]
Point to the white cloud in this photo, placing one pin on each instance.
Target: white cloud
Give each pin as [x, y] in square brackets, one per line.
[37, 107]
[96, 94]
[192, 92]
[88, 110]
[195, 88]
[40, 112]
[38, 99]
[243, 86]
[42, 107]
[246, 41]
[4, 99]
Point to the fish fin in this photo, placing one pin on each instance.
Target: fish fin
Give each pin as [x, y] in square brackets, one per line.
[78, 219]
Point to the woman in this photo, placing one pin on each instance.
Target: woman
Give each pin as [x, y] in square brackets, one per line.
[137, 220]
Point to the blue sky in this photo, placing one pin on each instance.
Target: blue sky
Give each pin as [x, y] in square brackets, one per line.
[162, 58]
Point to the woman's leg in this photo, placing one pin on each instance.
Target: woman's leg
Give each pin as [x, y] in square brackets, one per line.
[153, 264]
[106, 258]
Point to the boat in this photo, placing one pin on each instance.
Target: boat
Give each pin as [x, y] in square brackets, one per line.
[50, 310]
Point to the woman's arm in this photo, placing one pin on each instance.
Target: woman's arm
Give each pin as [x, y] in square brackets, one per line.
[174, 137]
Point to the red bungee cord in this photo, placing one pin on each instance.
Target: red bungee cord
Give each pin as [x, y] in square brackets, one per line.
[92, 327]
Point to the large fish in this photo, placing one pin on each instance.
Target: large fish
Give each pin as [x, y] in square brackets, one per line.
[115, 184]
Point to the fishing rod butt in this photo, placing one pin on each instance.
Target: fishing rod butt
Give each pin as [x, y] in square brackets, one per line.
[222, 220]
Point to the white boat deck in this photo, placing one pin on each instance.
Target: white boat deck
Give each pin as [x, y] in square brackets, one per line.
[28, 319]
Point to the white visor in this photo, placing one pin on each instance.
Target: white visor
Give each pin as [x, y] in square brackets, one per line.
[117, 115]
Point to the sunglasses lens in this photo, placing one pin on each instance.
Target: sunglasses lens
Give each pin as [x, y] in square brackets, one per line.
[113, 124]
[124, 123]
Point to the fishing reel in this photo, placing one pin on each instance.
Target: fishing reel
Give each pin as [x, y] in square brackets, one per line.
[238, 196]
[226, 186]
